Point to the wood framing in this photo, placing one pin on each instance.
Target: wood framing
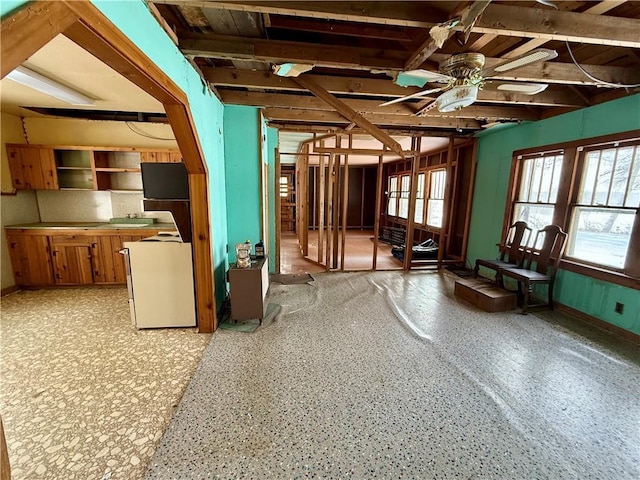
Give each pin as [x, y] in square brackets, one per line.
[350, 114]
[278, 209]
[376, 221]
[413, 184]
[28, 29]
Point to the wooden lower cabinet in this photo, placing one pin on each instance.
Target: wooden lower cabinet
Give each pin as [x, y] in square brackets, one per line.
[108, 262]
[72, 259]
[31, 259]
[68, 259]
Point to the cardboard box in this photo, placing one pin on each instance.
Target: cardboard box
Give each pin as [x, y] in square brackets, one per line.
[485, 295]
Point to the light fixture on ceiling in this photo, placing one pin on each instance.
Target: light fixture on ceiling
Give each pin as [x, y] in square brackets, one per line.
[39, 82]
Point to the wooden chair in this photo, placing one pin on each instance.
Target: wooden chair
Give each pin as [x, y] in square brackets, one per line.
[551, 240]
[511, 250]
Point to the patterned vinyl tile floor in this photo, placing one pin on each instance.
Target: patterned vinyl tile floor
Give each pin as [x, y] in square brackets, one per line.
[83, 394]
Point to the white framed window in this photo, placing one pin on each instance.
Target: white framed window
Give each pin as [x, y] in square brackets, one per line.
[419, 213]
[604, 212]
[591, 189]
[392, 199]
[403, 204]
[435, 201]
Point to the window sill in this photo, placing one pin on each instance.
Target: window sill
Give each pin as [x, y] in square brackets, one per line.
[603, 274]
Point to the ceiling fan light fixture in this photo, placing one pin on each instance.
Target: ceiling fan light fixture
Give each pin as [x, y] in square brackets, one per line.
[524, 88]
[457, 98]
[29, 78]
[537, 55]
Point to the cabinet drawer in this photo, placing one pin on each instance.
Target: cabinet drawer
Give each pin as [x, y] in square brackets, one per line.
[72, 240]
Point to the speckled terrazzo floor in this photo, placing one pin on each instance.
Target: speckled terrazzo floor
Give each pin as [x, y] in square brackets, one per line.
[83, 394]
[387, 375]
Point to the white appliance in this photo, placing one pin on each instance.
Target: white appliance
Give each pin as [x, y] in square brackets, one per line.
[160, 282]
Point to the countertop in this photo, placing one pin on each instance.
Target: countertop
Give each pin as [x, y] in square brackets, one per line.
[92, 226]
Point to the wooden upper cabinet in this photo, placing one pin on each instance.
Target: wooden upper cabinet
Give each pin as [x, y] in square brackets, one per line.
[160, 157]
[32, 167]
[47, 167]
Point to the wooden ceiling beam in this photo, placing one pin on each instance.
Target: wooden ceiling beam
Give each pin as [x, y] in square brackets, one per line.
[516, 21]
[319, 116]
[282, 100]
[497, 19]
[597, 9]
[346, 29]
[345, 110]
[409, 14]
[229, 77]
[279, 51]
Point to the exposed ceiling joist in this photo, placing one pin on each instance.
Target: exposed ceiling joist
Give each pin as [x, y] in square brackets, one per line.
[497, 19]
[279, 51]
[310, 117]
[384, 13]
[227, 77]
[597, 9]
[353, 116]
[283, 100]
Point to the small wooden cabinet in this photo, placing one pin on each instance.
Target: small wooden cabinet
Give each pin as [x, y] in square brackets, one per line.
[32, 167]
[248, 290]
[108, 263]
[31, 259]
[72, 259]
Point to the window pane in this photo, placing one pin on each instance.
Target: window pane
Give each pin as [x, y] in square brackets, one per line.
[419, 215]
[536, 216]
[633, 193]
[620, 176]
[525, 182]
[420, 190]
[393, 194]
[600, 235]
[434, 213]
[403, 208]
[404, 188]
[537, 177]
[603, 178]
[589, 178]
[438, 181]
[555, 181]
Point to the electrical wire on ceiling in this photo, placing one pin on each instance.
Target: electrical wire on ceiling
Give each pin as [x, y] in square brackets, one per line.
[602, 82]
[137, 131]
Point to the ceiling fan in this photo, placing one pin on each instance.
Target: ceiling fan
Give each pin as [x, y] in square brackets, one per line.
[464, 74]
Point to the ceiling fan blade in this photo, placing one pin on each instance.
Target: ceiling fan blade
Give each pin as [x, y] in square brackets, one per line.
[429, 106]
[534, 56]
[418, 78]
[523, 88]
[413, 95]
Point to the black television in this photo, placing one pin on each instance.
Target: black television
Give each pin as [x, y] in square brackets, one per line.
[165, 181]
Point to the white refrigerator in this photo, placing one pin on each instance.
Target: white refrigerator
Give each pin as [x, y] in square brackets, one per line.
[160, 282]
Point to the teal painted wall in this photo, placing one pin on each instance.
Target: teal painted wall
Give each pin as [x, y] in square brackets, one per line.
[133, 18]
[272, 144]
[136, 21]
[242, 153]
[495, 150]
[7, 6]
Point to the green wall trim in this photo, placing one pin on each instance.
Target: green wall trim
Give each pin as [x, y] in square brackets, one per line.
[495, 150]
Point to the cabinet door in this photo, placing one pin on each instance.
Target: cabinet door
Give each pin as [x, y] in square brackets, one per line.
[30, 259]
[108, 263]
[32, 168]
[72, 259]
